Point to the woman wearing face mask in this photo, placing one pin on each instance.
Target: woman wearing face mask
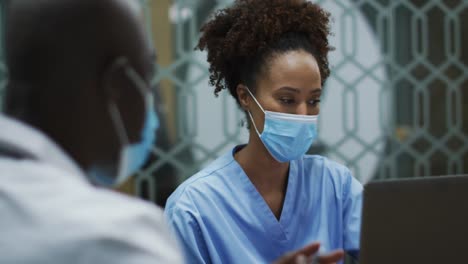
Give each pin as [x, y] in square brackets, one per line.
[266, 198]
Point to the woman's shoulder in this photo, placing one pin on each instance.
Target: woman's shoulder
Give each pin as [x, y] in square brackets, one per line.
[317, 162]
[202, 184]
[325, 170]
[322, 171]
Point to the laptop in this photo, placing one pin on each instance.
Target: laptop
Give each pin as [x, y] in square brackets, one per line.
[419, 220]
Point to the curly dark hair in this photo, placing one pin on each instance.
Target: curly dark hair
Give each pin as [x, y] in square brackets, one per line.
[242, 38]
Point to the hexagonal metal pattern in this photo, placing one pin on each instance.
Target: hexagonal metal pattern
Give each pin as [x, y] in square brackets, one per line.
[397, 107]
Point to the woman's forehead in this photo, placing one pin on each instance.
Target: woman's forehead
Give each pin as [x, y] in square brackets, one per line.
[296, 69]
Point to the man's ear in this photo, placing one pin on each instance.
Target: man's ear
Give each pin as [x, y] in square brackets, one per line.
[243, 96]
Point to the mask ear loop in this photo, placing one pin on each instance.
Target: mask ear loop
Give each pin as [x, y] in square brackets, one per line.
[255, 99]
[140, 84]
[114, 111]
[142, 87]
[250, 114]
[253, 122]
[119, 126]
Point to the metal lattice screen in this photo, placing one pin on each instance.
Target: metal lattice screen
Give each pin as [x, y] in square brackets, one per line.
[2, 65]
[395, 105]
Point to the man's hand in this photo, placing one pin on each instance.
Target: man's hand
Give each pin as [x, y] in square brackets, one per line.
[308, 255]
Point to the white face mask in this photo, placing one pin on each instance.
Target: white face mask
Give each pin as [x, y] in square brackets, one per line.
[286, 136]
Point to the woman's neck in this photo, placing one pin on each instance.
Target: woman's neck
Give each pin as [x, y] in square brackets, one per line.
[266, 173]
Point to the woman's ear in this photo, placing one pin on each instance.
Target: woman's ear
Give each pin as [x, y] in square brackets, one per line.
[243, 96]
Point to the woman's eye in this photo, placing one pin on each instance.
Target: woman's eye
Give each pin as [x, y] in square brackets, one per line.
[314, 102]
[286, 100]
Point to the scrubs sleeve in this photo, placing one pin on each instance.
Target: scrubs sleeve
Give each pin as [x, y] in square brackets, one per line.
[352, 205]
[187, 229]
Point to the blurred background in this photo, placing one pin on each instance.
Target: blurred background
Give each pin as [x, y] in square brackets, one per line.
[395, 106]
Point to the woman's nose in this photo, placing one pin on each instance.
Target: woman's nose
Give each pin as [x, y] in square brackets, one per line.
[301, 109]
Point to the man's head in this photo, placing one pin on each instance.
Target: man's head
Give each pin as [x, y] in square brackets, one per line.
[70, 68]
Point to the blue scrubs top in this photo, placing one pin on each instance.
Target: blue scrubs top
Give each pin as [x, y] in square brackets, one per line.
[220, 217]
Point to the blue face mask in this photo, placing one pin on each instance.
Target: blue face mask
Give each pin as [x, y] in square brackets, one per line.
[132, 156]
[286, 136]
